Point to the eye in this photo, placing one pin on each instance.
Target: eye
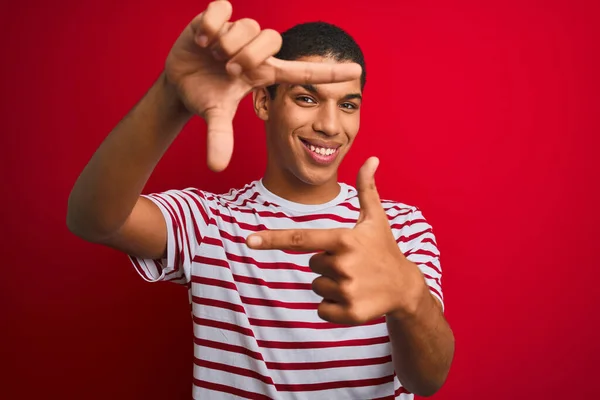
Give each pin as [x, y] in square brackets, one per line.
[305, 99]
[349, 106]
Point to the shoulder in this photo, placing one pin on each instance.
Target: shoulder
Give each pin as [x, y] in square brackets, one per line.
[396, 211]
[232, 197]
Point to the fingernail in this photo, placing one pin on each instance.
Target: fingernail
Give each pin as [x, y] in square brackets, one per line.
[234, 69]
[254, 241]
[202, 40]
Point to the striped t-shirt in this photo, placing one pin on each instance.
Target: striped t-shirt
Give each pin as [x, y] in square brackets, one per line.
[257, 334]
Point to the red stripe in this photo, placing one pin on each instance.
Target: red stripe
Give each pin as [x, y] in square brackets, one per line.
[434, 290]
[290, 345]
[305, 325]
[281, 215]
[217, 387]
[407, 239]
[240, 192]
[178, 251]
[251, 261]
[272, 285]
[436, 280]
[432, 266]
[197, 231]
[329, 364]
[402, 212]
[306, 387]
[321, 345]
[268, 265]
[228, 347]
[201, 207]
[218, 303]
[211, 261]
[397, 393]
[233, 370]
[213, 282]
[275, 323]
[280, 304]
[254, 301]
[349, 206]
[429, 240]
[185, 239]
[421, 252]
[240, 239]
[223, 325]
[139, 268]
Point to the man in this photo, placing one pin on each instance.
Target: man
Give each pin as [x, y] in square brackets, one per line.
[301, 287]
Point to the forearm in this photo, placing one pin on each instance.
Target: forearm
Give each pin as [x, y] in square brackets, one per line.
[111, 183]
[422, 344]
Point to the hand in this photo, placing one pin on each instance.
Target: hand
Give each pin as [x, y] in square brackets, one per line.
[215, 63]
[364, 275]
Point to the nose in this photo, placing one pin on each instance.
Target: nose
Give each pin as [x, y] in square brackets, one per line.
[327, 120]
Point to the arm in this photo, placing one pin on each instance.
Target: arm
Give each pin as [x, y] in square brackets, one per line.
[422, 342]
[105, 204]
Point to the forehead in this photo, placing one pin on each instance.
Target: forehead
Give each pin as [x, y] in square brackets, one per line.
[338, 89]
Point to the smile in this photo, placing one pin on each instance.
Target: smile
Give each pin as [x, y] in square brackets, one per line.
[321, 154]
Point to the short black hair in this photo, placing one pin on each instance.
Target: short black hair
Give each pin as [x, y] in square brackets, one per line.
[320, 39]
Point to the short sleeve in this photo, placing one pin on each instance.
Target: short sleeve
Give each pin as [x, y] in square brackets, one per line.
[419, 245]
[187, 216]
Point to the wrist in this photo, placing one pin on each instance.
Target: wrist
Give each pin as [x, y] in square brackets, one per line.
[171, 99]
[415, 295]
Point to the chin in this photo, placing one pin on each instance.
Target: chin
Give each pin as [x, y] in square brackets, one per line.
[315, 176]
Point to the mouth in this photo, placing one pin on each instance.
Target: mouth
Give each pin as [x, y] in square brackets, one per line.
[321, 153]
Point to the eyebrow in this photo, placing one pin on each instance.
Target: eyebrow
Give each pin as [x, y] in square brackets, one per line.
[312, 89]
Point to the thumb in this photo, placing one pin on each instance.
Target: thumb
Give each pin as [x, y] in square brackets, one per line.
[219, 141]
[368, 197]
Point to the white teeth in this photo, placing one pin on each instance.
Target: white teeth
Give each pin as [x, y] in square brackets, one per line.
[320, 150]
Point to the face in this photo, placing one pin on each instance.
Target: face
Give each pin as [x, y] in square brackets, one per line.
[310, 128]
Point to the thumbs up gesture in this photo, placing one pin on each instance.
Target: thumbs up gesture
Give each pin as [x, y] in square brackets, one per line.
[215, 63]
[363, 273]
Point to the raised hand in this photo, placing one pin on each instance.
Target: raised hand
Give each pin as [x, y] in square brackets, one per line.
[215, 63]
[364, 275]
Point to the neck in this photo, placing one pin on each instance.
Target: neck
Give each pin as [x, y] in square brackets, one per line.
[286, 185]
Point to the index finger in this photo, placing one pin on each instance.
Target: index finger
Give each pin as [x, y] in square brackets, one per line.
[306, 240]
[306, 72]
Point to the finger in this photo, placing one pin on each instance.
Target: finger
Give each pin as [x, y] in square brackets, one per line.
[219, 138]
[239, 34]
[263, 46]
[322, 264]
[208, 24]
[307, 240]
[303, 72]
[334, 312]
[327, 288]
[368, 197]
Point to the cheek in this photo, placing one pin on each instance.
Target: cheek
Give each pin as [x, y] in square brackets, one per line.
[351, 127]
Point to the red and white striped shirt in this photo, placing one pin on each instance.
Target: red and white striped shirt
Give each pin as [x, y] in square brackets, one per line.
[256, 330]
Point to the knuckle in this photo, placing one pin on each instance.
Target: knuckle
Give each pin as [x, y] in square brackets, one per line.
[297, 239]
[272, 39]
[346, 290]
[356, 315]
[251, 25]
[308, 74]
[346, 239]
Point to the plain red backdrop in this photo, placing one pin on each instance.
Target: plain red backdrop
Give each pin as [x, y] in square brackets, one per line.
[484, 114]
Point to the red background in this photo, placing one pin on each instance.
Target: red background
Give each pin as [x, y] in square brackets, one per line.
[484, 114]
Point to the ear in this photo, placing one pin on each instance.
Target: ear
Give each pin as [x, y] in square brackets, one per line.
[260, 99]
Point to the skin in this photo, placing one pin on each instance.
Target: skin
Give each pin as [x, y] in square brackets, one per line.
[328, 113]
[363, 273]
[211, 67]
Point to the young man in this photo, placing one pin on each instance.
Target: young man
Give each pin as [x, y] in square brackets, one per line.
[301, 286]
